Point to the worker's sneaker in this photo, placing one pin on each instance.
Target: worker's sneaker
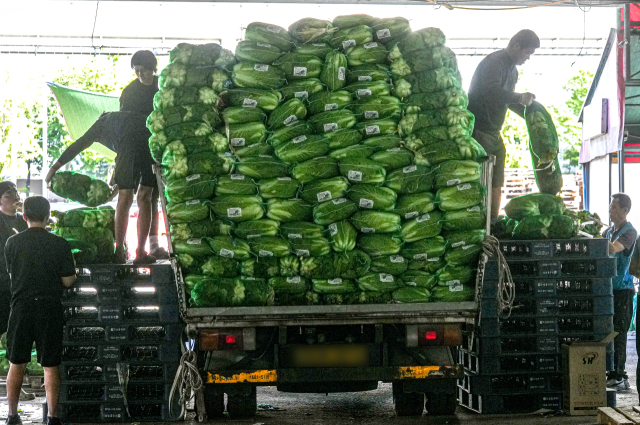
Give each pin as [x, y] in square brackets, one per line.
[623, 385]
[160, 254]
[613, 382]
[54, 420]
[14, 420]
[120, 256]
[144, 258]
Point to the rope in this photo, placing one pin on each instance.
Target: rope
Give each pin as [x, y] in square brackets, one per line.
[187, 382]
[448, 6]
[506, 288]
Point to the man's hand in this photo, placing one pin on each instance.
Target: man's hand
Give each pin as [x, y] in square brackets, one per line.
[527, 99]
[113, 194]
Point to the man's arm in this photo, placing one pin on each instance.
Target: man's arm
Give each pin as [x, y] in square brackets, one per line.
[615, 247]
[624, 241]
[68, 276]
[634, 265]
[518, 108]
[68, 281]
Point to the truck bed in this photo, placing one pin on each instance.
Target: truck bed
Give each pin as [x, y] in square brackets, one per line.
[464, 312]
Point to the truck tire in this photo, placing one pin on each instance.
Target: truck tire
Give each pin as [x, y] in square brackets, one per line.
[242, 404]
[441, 404]
[213, 402]
[407, 404]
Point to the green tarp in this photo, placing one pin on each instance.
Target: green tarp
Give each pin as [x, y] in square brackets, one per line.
[81, 109]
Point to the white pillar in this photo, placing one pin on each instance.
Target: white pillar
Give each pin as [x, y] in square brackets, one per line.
[45, 130]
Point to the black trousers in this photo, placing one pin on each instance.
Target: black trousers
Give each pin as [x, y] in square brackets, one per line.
[622, 313]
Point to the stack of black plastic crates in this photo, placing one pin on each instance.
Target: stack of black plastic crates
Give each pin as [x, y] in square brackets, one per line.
[563, 293]
[121, 344]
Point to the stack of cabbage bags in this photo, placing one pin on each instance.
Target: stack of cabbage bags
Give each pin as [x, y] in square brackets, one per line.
[89, 231]
[325, 203]
[80, 188]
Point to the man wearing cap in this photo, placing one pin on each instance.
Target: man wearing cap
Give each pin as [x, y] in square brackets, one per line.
[125, 132]
[11, 223]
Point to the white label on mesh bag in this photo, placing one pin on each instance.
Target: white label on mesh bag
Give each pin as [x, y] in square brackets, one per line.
[423, 217]
[249, 103]
[457, 244]
[263, 44]
[371, 45]
[411, 284]
[366, 203]
[339, 201]
[226, 253]
[301, 94]
[237, 176]
[290, 120]
[324, 196]
[194, 202]
[384, 277]
[300, 139]
[234, 212]
[467, 247]
[284, 179]
[336, 281]
[371, 115]
[333, 229]
[456, 288]
[367, 230]
[319, 44]
[394, 150]
[396, 259]
[265, 156]
[237, 141]
[348, 43]
[409, 169]
[372, 129]
[433, 260]
[265, 253]
[355, 176]
[299, 71]
[420, 256]
[330, 106]
[303, 252]
[473, 209]
[261, 68]
[365, 78]
[295, 236]
[273, 29]
[385, 33]
[410, 215]
[453, 282]
[193, 177]
[294, 279]
[363, 93]
[332, 126]
[194, 241]
[453, 182]
[253, 236]
[341, 73]
[465, 186]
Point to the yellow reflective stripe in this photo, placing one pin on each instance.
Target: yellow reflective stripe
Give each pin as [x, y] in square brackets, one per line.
[254, 377]
[416, 372]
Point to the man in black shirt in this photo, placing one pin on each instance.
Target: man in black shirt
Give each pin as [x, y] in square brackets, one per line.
[40, 265]
[491, 93]
[126, 133]
[11, 223]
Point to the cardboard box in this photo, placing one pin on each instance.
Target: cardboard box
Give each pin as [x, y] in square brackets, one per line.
[585, 376]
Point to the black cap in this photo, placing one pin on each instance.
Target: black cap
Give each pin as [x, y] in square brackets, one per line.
[6, 185]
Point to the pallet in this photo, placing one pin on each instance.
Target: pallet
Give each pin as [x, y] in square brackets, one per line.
[618, 415]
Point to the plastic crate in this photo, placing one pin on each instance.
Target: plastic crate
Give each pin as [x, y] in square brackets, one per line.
[108, 372]
[529, 344]
[122, 333]
[138, 294]
[511, 384]
[568, 248]
[590, 267]
[513, 403]
[516, 363]
[95, 391]
[169, 352]
[160, 273]
[553, 287]
[567, 324]
[552, 306]
[122, 314]
[116, 412]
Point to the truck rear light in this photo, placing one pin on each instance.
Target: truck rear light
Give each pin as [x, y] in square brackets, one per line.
[431, 335]
[434, 335]
[236, 339]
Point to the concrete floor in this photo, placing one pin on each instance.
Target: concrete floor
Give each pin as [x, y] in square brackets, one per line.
[370, 408]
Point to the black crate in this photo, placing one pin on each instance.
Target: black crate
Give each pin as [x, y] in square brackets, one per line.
[587, 267]
[542, 249]
[513, 403]
[105, 372]
[95, 391]
[122, 314]
[503, 364]
[122, 333]
[551, 306]
[559, 287]
[160, 273]
[137, 294]
[567, 324]
[169, 352]
[511, 384]
[529, 344]
[116, 412]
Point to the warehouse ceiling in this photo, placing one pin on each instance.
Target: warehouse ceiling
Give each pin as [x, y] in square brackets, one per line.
[443, 3]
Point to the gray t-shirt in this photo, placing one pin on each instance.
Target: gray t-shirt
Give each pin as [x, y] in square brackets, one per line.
[627, 239]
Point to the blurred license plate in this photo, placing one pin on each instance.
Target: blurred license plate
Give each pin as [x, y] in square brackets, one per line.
[330, 356]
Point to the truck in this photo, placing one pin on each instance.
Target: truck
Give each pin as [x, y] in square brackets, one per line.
[330, 348]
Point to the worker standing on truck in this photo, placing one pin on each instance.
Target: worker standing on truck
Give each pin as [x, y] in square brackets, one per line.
[41, 266]
[11, 223]
[125, 133]
[491, 93]
[622, 237]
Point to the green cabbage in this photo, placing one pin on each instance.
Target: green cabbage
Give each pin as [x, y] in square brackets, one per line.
[392, 264]
[534, 204]
[195, 186]
[235, 184]
[187, 212]
[379, 282]
[351, 264]
[425, 249]
[228, 247]
[237, 208]
[333, 286]
[461, 196]
[410, 206]
[289, 266]
[343, 236]
[474, 217]
[269, 246]
[323, 167]
[219, 267]
[310, 247]
[301, 229]
[410, 179]
[376, 222]
[423, 226]
[380, 244]
[361, 170]
[368, 196]
[255, 228]
[324, 190]
[262, 267]
[334, 210]
[285, 210]
[279, 187]
[412, 295]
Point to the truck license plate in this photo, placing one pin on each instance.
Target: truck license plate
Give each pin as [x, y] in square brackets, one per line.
[330, 356]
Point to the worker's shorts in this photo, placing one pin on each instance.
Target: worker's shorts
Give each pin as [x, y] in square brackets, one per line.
[39, 320]
[493, 145]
